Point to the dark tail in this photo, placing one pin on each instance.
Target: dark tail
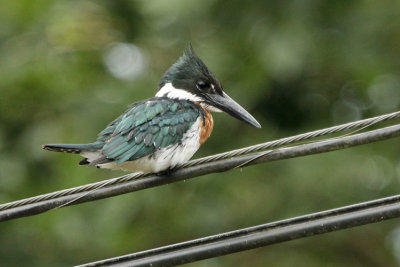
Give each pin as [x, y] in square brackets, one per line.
[72, 148]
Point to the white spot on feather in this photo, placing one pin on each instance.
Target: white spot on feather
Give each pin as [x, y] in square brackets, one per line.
[167, 157]
[91, 155]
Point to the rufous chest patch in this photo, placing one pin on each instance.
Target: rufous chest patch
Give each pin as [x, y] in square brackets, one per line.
[206, 127]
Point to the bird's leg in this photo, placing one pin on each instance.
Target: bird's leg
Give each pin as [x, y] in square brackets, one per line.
[166, 172]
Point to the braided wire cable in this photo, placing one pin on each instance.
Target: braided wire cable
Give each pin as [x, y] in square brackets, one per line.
[293, 139]
[71, 191]
[361, 124]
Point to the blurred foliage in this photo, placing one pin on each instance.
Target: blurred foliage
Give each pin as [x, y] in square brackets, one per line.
[67, 68]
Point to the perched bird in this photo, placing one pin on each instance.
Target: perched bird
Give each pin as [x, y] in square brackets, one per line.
[159, 133]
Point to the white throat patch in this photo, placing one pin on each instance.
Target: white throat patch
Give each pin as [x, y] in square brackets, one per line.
[210, 108]
[168, 90]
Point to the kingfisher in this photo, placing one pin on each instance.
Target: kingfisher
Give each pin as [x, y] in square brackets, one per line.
[159, 133]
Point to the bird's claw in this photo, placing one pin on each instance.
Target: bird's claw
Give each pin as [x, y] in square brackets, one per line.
[166, 172]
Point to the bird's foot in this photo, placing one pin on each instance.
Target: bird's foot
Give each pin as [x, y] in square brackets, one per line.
[166, 172]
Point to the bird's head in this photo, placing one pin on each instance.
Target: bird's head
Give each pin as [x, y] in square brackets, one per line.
[189, 78]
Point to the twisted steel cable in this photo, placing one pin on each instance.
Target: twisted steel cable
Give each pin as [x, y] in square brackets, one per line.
[361, 124]
[293, 139]
[151, 180]
[71, 191]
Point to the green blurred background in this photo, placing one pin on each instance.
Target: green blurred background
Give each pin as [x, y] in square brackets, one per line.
[68, 67]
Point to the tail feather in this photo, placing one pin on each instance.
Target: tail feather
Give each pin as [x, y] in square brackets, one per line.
[72, 148]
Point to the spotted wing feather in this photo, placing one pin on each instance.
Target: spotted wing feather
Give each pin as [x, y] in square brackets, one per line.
[148, 126]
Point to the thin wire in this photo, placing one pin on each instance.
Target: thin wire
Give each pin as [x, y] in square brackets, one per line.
[322, 146]
[309, 142]
[293, 139]
[71, 191]
[99, 185]
[261, 235]
[230, 154]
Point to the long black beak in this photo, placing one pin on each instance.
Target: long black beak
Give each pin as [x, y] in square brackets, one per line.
[227, 104]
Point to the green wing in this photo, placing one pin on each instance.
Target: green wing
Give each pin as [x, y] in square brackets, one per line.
[149, 125]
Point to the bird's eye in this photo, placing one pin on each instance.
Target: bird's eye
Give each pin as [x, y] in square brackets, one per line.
[203, 85]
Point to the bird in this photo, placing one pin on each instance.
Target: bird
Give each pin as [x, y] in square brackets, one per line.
[157, 134]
